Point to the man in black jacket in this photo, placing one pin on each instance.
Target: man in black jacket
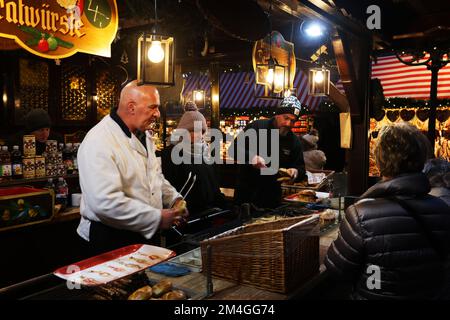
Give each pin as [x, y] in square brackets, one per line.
[263, 190]
[394, 243]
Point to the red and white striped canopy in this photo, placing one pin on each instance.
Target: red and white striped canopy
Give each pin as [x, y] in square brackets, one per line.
[400, 80]
[237, 91]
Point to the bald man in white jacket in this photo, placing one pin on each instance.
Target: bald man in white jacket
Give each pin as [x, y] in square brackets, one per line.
[123, 189]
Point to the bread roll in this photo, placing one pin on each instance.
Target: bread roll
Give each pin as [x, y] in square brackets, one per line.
[174, 295]
[180, 206]
[306, 196]
[143, 293]
[283, 172]
[162, 287]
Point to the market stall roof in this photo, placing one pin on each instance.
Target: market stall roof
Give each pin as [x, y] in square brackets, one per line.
[406, 23]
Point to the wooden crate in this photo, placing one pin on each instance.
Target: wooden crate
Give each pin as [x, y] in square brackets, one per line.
[23, 206]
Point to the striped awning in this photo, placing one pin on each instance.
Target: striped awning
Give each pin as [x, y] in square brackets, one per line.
[196, 82]
[237, 91]
[400, 80]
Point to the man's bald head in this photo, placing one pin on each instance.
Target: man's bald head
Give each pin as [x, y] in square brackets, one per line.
[132, 93]
[138, 106]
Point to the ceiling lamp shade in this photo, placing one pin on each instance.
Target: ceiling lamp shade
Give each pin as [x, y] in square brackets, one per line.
[155, 60]
[319, 82]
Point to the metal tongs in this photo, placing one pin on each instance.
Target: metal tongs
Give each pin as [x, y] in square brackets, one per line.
[192, 182]
[188, 186]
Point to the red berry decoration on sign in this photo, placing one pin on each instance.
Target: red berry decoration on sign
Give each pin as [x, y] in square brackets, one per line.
[43, 45]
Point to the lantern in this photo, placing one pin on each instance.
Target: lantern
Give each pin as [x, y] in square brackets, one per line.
[319, 81]
[156, 57]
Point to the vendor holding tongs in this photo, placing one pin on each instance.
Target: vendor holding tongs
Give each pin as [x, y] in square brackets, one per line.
[125, 197]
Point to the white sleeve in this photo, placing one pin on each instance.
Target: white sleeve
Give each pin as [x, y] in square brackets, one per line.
[169, 193]
[102, 189]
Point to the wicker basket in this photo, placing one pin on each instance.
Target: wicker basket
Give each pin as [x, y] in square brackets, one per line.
[277, 256]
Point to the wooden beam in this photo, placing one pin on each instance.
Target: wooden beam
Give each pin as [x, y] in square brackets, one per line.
[344, 61]
[339, 99]
[324, 11]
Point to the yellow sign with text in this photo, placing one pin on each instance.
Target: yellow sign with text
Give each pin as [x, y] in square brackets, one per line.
[60, 28]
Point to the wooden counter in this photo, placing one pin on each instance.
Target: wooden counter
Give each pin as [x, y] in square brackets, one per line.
[71, 213]
[227, 290]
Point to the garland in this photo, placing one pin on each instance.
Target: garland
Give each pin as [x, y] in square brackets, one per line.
[399, 103]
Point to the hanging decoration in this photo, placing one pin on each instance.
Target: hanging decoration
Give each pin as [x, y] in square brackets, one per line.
[274, 65]
[124, 57]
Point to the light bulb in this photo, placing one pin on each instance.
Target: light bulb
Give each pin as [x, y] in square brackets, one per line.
[279, 81]
[269, 76]
[287, 93]
[198, 95]
[318, 77]
[314, 30]
[155, 52]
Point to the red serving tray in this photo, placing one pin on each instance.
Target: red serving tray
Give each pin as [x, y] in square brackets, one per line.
[114, 265]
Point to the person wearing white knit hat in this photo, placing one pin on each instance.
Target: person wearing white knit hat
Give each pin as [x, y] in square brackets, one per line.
[205, 193]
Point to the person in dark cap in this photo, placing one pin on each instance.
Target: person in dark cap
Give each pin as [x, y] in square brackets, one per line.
[265, 190]
[37, 123]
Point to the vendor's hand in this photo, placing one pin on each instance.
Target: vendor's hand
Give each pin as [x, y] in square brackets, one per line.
[182, 212]
[168, 216]
[258, 162]
[293, 173]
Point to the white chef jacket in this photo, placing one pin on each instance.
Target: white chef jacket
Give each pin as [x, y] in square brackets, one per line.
[121, 182]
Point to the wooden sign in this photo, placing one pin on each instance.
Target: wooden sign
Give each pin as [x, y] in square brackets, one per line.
[281, 50]
[60, 28]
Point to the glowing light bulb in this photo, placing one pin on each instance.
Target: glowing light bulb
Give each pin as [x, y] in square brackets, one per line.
[287, 93]
[314, 30]
[279, 80]
[269, 76]
[155, 52]
[198, 95]
[318, 77]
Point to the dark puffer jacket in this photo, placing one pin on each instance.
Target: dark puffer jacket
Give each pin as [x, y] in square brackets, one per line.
[379, 231]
